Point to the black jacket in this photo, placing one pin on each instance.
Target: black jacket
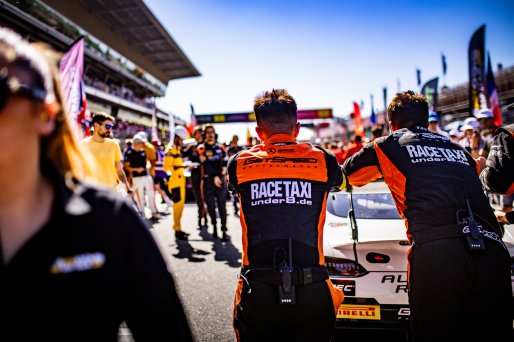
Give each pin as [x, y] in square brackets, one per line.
[86, 271]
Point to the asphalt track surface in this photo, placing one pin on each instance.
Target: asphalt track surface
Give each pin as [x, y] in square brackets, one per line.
[205, 271]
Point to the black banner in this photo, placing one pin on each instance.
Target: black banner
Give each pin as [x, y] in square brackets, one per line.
[476, 67]
[429, 90]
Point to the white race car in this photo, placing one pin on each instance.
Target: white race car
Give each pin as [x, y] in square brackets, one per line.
[367, 258]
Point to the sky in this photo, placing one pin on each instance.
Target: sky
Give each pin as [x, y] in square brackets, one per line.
[327, 54]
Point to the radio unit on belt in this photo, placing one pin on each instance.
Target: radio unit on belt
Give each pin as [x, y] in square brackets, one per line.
[286, 290]
[474, 241]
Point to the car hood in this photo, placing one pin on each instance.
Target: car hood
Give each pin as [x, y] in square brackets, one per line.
[386, 237]
[338, 230]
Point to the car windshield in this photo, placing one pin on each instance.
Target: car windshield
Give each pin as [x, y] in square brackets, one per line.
[365, 205]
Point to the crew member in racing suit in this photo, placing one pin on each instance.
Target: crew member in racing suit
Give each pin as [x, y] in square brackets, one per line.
[498, 174]
[459, 268]
[283, 292]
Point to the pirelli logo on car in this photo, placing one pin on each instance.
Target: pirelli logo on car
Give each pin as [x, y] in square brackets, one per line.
[355, 311]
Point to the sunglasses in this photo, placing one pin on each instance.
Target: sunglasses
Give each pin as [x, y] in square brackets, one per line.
[107, 126]
[11, 86]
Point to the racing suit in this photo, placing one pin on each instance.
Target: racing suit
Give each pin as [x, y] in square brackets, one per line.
[176, 183]
[212, 164]
[191, 152]
[282, 187]
[454, 291]
[498, 176]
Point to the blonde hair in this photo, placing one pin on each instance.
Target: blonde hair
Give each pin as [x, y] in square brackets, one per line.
[59, 150]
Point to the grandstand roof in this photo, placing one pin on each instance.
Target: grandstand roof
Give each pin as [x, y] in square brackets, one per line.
[130, 28]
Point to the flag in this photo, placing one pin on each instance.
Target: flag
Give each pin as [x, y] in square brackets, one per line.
[418, 75]
[84, 116]
[429, 90]
[358, 126]
[192, 122]
[443, 59]
[372, 117]
[492, 94]
[71, 70]
[155, 135]
[476, 69]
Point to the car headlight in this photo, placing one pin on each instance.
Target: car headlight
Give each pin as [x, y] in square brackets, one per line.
[344, 267]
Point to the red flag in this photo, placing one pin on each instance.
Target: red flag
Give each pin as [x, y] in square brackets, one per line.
[71, 69]
[192, 124]
[492, 93]
[357, 119]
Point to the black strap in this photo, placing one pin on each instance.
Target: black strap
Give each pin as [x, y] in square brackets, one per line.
[451, 231]
[299, 277]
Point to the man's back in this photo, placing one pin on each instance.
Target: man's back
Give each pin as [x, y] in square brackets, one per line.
[283, 186]
[429, 176]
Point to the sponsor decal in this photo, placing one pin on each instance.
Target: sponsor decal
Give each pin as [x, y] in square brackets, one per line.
[485, 233]
[78, 263]
[347, 286]
[355, 311]
[423, 154]
[271, 150]
[286, 150]
[403, 312]
[401, 283]
[281, 191]
[280, 160]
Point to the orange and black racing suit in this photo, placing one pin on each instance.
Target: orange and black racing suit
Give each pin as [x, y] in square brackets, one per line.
[454, 291]
[282, 187]
[498, 176]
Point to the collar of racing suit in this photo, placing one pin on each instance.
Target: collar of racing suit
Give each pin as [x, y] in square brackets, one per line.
[280, 138]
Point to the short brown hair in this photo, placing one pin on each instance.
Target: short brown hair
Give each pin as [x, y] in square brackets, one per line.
[276, 111]
[407, 109]
[209, 126]
[100, 117]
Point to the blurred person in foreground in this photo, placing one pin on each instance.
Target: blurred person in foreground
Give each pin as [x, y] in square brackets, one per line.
[76, 251]
[106, 152]
[459, 268]
[283, 293]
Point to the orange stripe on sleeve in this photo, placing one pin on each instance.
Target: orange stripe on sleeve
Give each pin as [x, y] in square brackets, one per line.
[364, 175]
[394, 179]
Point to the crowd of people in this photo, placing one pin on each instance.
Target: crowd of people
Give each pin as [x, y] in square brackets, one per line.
[84, 249]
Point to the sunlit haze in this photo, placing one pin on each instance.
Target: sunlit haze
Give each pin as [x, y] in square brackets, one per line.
[326, 53]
